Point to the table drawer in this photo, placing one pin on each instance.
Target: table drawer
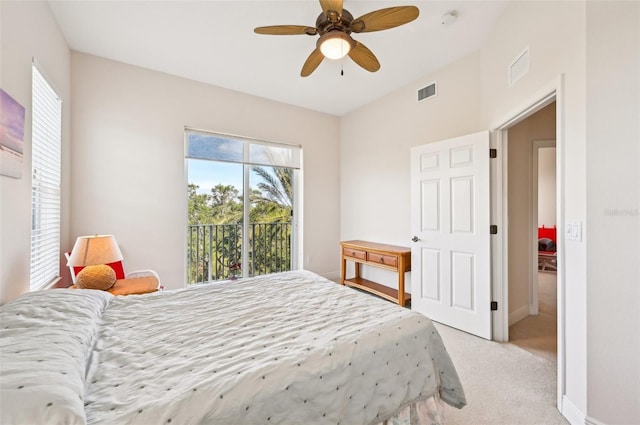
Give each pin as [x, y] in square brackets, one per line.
[355, 253]
[387, 260]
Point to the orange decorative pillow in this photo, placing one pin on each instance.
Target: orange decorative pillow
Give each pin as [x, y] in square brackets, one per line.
[96, 277]
[137, 285]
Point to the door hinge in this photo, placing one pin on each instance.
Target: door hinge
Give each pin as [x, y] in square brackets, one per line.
[494, 305]
[493, 153]
[493, 229]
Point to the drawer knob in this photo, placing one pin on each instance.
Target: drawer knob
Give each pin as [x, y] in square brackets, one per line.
[415, 239]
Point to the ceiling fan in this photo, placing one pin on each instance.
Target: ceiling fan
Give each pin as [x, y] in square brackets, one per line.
[335, 25]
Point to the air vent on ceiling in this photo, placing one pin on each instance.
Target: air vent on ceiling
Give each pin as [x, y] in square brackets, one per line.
[519, 67]
[427, 92]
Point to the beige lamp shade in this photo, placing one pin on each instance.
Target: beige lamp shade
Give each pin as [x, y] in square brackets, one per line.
[94, 250]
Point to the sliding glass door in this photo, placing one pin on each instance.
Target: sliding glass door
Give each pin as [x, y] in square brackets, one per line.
[242, 207]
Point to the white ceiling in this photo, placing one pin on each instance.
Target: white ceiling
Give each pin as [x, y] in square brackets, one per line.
[213, 42]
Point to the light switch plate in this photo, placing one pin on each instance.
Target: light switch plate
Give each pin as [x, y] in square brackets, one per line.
[573, 231]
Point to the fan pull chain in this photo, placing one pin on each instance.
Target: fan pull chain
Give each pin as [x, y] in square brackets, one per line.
[342, 67]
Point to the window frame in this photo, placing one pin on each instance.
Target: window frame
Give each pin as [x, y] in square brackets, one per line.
[248, 161]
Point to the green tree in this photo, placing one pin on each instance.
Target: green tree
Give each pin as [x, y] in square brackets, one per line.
[222, 206]
[199, 210]
[215, 218]
[226, 204]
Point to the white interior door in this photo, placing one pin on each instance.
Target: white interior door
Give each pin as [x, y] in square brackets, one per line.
[450, 255]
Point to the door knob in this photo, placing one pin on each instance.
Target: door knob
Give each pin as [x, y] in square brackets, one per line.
[415, 239]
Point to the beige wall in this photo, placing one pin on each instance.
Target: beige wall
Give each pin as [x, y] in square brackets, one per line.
[28, 30]
[539, 126]
[129, 168]
[613, 220]
[546, 186]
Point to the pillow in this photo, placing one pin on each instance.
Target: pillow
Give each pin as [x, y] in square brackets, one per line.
[137, 285]
[46, 340]
[116, 266]
[96, 277]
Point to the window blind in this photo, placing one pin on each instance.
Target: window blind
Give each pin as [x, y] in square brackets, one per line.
[221, 147]
[45, 182]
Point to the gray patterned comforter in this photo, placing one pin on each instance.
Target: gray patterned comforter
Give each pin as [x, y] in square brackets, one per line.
[289, 348]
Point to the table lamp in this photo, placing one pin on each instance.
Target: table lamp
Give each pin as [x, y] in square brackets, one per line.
[92, 253]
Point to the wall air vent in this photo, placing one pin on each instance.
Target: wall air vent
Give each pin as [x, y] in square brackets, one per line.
[519, 67]
[427, 92]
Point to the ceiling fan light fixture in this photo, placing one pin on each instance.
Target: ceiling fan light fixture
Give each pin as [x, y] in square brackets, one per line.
[335, 44]
[335, 25]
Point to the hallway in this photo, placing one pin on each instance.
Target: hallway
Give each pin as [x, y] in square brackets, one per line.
[539, 334]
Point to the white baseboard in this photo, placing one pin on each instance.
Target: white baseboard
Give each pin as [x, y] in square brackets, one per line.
[518, 315]
[335, 276]
[572, 413]
[591, 421]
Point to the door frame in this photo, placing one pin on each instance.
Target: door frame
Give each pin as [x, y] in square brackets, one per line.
[552, 91]
[533, 287]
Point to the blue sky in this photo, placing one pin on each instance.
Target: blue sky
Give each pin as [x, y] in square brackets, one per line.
[207, 174]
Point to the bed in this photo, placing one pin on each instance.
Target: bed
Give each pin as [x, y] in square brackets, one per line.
[287, 348]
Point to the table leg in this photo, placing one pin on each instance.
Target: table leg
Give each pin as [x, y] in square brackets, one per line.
[401, 281]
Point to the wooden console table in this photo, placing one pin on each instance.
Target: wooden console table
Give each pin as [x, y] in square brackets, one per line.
[389, 257]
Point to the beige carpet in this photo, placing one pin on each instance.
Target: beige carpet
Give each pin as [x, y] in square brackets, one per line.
[504, 384]
[510, 383]
[539, 334]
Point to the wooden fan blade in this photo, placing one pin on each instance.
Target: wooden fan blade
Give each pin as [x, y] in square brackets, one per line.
[385, 19]
[364, 57]
[335, 5]
[286, 30]
[312, 62]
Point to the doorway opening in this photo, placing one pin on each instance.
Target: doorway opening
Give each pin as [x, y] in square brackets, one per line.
[501, 250]
[532, 237]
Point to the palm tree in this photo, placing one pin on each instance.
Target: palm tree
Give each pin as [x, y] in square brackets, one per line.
[277, 184]
[273, 203]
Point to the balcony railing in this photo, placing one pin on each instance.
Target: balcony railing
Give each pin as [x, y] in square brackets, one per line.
[214, 251]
